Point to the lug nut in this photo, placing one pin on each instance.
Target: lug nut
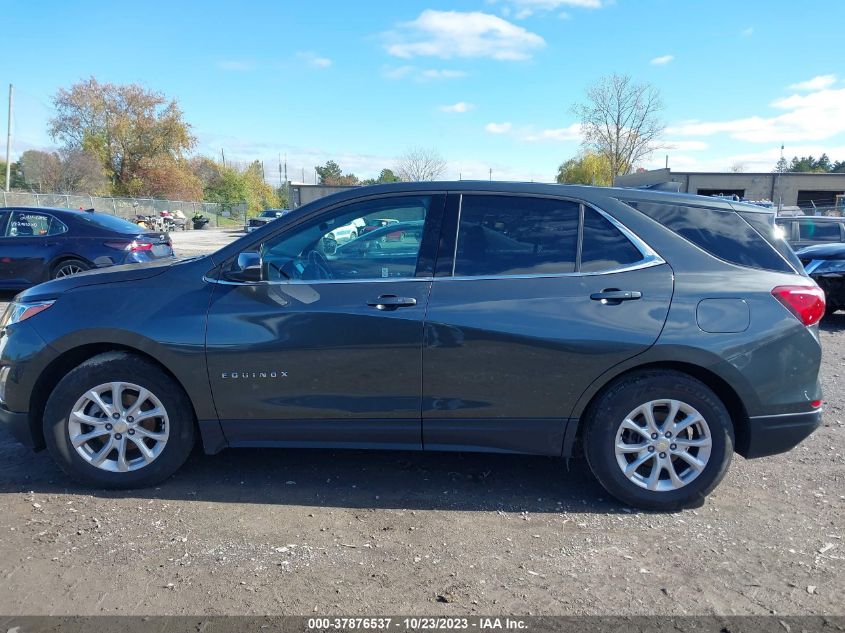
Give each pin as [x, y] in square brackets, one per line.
[108, 427]
[668, 434]
[130, 419]
[115, 415]
[654, 436]
[662, 455]
[118, 436]
[650, 449]
[131, 431]
[673, 446]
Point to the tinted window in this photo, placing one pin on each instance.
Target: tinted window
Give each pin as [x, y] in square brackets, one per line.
[336, 245]
[819, 231]
[604, 246]
[722, 233]
[510, 235]
[29, 224]
[764, 224]
[109, 222]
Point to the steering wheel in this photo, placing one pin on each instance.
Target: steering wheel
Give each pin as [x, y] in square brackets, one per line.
[320, 264]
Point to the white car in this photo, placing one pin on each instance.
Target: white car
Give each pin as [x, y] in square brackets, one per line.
[348, 232]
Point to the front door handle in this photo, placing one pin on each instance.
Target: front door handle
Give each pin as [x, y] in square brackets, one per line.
[614, 296]
[391, 302]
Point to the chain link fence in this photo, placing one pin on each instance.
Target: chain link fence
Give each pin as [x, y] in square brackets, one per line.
[128, 208]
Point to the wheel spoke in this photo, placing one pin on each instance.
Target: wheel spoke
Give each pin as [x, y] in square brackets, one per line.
[146, 453]
[686, 423]
[669, 422]
[153, 435]
[90, 420]
[94, 397]
[79, 440]
[642, 459]
[673, 474]
[100, 456]
[146, 415]
[701, 442]
[636, 428]
[122, 465]
[648, 413]
[117, 396]
[654, 477]
[136, 406]
[622, 447]
[695, 463]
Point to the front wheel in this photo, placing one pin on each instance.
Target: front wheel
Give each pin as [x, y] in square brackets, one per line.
[659, 440]
[119, 421]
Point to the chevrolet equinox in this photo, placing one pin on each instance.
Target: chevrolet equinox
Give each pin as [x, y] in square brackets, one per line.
[653, 333]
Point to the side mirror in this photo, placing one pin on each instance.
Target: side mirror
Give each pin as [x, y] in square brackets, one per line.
[247, 268]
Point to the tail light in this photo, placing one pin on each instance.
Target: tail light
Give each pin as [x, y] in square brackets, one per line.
[805, 302]
[133, 247]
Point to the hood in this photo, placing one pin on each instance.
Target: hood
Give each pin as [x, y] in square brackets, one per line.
[822, 251]
[112, 274]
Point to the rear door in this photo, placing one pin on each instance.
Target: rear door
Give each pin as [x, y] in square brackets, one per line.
[541, 297]
[27, 245]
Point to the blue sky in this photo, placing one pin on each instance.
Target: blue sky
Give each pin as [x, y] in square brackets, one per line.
[488, 83]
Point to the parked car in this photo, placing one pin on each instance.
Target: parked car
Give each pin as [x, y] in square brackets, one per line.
[40, 244]
[377, 223]
[825, 263]
[806, 230]
[265, 218]
[654, 333]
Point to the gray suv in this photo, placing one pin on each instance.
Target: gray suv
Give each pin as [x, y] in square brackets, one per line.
[653, 333]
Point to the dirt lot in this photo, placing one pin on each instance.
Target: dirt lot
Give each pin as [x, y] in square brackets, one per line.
[299, 532]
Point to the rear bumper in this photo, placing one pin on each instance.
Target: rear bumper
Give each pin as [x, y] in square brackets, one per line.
[18, 425]
[773, 434]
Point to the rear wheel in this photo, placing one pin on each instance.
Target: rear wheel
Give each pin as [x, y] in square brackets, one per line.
[68, 267]
[659, 440]
[118, 421]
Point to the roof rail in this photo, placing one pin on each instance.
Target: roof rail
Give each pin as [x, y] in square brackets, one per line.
[669, 185]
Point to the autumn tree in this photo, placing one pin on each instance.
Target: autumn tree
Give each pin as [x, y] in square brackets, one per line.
[231, 185]
[68, 171]
[420, 164]
[585, 169]
[137, 134]
[620, 120]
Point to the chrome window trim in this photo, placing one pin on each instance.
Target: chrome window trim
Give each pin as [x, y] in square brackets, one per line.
[315, 282]
[649, 255]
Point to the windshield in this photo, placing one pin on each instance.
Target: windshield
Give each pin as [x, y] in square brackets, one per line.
[109, 222]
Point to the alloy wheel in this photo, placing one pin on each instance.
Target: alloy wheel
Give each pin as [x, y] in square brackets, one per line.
[663, 445]
[66, 270]
[118, 427]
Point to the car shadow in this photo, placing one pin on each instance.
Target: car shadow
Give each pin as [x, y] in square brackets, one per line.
[344, 478]
[834, 322]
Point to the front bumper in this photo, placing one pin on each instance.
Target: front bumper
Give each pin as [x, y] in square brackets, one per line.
[773, 434]
[18, 425]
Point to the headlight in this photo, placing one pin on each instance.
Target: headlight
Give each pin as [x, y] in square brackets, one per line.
[17, 312]
[822, 266]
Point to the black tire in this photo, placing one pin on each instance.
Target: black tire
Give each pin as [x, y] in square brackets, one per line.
[68, 267]
[607, 413]
[112, 367]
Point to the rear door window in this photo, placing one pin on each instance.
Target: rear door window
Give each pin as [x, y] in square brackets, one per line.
[819, 231]
[604, 246]
[513, 235]
[24, 224]
[722, 233]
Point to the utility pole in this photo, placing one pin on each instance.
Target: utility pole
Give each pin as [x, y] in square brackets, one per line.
[9, 140]
[223, 157]
[491, 174]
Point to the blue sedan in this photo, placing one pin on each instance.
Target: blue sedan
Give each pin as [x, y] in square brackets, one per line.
[38, 244]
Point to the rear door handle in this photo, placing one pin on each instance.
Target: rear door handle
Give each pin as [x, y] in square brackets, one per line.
[614, 296]
[391, 302]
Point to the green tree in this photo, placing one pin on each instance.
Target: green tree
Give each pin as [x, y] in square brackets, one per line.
[782, 165]
[137, 134]
[386, 176]
[15, 175]
[332, 174]
[810, 164]
[586, 169]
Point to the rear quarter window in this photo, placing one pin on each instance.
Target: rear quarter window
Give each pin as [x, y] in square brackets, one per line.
[722, 233]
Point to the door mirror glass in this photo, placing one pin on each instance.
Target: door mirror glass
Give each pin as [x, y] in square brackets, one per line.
[247, 267]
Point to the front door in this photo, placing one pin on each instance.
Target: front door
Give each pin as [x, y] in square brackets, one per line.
[327, 348]
[542, 297]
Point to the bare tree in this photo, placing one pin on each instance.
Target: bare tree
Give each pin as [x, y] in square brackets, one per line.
[620, 121]
[420, 164]
[738, 167]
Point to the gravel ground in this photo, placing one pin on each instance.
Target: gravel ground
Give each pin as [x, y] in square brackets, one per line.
[351, 532]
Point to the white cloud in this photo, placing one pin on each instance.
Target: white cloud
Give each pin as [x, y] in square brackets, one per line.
[686, 146]
[236, 65]
[448, 34]
[312, 59]
[762, 161]
[662, 60]
[811, 117]
[563, 134]
[819, 82]
[498, 128]
[458, 108]
[420, 74]
[747, 32]
[522, 9]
